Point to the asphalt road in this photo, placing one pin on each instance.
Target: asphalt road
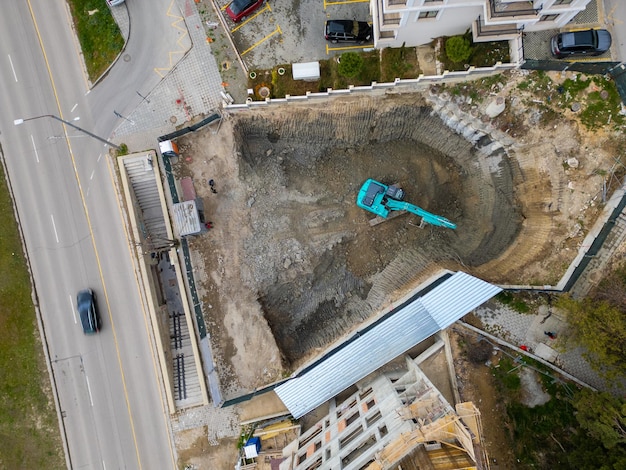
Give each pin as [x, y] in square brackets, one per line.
[109, 386]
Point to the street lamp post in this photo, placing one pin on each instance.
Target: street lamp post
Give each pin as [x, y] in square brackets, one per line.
[17, 122]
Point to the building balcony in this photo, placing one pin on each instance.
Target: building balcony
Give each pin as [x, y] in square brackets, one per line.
[500, 10]
[482, 32]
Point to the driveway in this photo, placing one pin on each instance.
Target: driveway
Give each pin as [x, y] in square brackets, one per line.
[284, 32]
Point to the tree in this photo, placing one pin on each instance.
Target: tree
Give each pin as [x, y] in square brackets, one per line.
[601, 329]
[458, 49]
[350, 64]
[602, 416]
[612, 289]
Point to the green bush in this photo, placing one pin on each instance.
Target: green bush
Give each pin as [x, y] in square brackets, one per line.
[350, 64]
[458, 49]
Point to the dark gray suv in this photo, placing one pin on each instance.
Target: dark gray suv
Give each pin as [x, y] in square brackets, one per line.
[592, 42]
[86, 305]
[347, 31]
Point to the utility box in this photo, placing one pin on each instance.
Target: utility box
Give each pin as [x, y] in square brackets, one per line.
[307, 71]
[168, 147]
[252, 447]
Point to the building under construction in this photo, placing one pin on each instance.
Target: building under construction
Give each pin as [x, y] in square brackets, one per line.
[395, 420]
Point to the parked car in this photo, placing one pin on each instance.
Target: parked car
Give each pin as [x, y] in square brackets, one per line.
[86, 305]
[239, 9]
[347, 31]
[113, 3]
[590, 42]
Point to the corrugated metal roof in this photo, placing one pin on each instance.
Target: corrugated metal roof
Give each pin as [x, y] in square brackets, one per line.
[457, 296]
[426, 315]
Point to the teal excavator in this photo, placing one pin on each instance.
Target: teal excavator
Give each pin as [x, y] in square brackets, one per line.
[381, 200]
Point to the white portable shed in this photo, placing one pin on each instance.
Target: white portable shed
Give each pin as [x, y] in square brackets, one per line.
[308, 71]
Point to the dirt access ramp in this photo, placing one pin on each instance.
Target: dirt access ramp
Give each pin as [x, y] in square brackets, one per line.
[292, 263]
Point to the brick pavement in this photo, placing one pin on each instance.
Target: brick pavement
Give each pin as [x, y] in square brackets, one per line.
[526, 329]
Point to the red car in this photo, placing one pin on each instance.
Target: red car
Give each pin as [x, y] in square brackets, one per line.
[239, 9]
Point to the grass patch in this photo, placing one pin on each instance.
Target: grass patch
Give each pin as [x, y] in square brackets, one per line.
[484, 54]
[603, 105]
[517, 303]
[99, 36]
[478, 89]
[399, 62]
[378, 66]
[599, 100]
[282, 85]
[549, 436]
[506, 375]
[28, 422]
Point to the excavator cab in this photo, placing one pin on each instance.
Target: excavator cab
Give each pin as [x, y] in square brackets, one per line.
[395, 192]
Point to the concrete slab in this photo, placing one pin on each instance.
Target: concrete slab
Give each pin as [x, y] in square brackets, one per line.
[546, 353]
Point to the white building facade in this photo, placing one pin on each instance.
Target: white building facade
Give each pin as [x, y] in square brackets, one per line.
[417, 22]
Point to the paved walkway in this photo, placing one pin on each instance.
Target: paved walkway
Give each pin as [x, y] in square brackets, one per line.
[529, 330]
[191, 88]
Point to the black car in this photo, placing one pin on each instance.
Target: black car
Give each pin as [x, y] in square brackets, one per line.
[590, 42]
[86, 304]
[347, 31]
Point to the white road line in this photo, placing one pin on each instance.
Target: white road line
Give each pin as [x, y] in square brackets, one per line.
[99, 157]
[12, 68]
[74, 107]
[72, 307]
[92, 173]
[104, 466]
[34, 147]
[55, 228]
[89, 390]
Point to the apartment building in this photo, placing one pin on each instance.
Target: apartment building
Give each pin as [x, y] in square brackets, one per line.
[417, 22]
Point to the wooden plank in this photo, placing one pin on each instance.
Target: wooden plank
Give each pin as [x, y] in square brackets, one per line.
[379, 220]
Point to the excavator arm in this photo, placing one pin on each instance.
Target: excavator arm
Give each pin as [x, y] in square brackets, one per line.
[426, 216]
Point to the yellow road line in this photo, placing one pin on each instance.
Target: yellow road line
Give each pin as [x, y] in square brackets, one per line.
[344, 2]
[179, 24]
[250, 18]
[611, 16]
[91, 233]
[277, 30]
[588, 59]
[572, 30]
[347, 48]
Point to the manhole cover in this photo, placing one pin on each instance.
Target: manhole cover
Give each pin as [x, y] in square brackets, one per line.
[173, 119]
[264, 92]
[126, 57]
